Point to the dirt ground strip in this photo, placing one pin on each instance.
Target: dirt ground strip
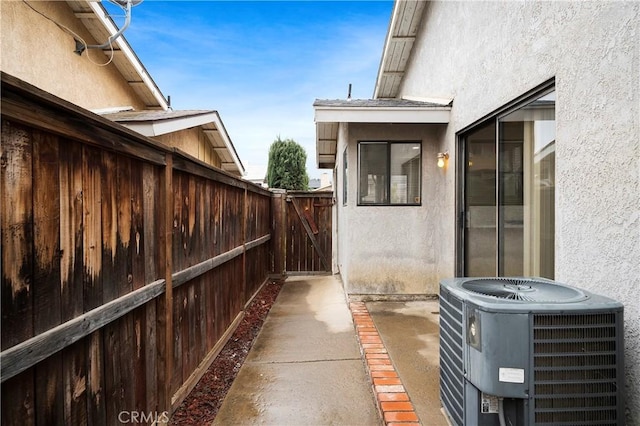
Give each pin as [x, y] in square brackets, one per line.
[204, 401]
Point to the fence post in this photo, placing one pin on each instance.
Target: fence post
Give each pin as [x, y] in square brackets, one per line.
[278, 230]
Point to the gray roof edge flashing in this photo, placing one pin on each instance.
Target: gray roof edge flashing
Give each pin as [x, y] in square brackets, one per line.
[156, 115]
[378, 103]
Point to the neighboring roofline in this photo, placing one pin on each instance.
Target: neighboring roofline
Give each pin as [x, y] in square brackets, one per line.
[139, 78]
[157, 126]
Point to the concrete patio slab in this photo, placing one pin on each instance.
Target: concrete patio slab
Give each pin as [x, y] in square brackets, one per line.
[410, 333]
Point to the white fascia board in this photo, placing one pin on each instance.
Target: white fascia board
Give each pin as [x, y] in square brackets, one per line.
[101, 13]
[227, 142]
[441, 101]
[161, 127]
[144, 128]
[385, 49]
[382, 115]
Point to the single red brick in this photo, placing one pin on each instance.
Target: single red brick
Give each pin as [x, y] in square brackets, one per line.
[379, 361]
[388, 374]
[393, 396]
[386, 381]
[378, 367]
[374, 337]
[375, 351]
[404, 424]
[389, 388]
[397, 406]
[400, 416]
[377, 355]
[373, 346]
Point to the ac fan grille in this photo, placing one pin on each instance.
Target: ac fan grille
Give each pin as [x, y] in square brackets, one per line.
[523, 290]
[451, 355]
[575, 372]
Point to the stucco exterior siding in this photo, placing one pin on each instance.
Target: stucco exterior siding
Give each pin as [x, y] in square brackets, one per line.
[485, 54]
[392, 249]
[39, 52]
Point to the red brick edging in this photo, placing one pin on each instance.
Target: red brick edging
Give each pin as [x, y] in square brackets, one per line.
[393, 401]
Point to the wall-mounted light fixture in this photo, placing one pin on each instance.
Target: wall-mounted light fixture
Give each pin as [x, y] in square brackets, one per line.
[442, 158]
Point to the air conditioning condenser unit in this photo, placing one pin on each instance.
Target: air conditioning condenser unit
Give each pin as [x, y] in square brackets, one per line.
[524, 351]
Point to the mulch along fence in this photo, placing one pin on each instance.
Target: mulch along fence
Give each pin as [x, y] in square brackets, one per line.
[125, 265]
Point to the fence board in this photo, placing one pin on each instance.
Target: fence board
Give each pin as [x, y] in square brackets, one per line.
[17, 231]
[74, 370]
[75, 384]
[139, 319]
[148, 328]
[17, 262]
[123, 255]
[92, 235]
[46, 282]
[96, 411]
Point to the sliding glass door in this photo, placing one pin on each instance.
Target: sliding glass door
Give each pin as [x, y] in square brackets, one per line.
[508, 193]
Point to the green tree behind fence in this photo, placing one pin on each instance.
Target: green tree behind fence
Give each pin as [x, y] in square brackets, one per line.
[287, 165]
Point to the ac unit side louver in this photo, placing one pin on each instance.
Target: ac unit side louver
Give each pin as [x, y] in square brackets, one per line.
[529, 351]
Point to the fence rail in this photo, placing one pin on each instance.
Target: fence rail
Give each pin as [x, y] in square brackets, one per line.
[125, 264]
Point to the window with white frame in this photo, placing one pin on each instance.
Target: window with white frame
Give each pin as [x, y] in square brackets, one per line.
[389, 173]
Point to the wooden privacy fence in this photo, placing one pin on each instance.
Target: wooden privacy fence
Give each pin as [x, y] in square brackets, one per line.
[125, 265]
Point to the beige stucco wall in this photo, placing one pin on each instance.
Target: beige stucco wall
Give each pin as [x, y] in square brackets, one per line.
[486, 54]
[194, 142]
[392, 249]
[39, 52]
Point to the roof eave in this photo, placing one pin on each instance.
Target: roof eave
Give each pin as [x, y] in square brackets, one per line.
[211, 124]
[226, 139]
[405, 22]
[329, 118]
[123, 48]
[163, 126]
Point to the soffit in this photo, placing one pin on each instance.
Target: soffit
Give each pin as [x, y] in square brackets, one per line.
[401, 35]
[95, 18]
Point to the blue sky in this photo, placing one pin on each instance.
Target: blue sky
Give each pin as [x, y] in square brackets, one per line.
[260, 64]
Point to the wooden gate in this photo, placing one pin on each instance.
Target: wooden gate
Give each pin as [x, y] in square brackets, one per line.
[308, 232]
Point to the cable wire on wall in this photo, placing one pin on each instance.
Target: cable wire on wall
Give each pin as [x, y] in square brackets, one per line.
[75, 36]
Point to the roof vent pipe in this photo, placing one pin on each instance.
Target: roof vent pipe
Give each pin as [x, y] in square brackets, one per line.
[124, 4]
